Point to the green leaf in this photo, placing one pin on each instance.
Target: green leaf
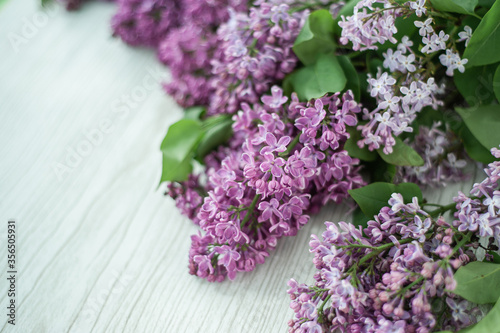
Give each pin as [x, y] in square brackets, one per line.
[316, 37]
[478, 282]
[194, 112]
[483, 45]
[474, 148]
[382, 171]
[359, 218]
[486, 3]
[489, 324]
[496, 257]
[178, 146]
[218, 130]
[351, 75]
[496, 83]
[476, 84]
[455, 6]
[484, 123]
[351, 146]
[373, 197]
[402, 155]
[314, 81]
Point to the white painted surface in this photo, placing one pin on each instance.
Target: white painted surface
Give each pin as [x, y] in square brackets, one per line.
[99, 248]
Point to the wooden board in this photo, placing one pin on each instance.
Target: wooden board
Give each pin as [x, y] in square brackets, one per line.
[100, 249]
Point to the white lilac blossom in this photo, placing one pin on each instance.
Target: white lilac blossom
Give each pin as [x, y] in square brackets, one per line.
[444, 158]
[369, 26]
[465, 35]
[404, 87]
[285, 161]
[373, 22]
[255, 52]
[398, 100]
[452, 61]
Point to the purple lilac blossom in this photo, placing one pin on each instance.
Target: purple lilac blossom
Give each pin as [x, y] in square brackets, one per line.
[480, 212]
[396, 275]
[211, 13]
[187, 51]
[255, 53]
[145, 23]
[279, 168]
[444, 157]
[386, 278]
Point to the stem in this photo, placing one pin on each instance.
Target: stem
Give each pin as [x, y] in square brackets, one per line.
[353, 54]
[290, 147]
[381, 249]
[250, 210]
[432, 204]
[443, 209]
[462, 242]
[320, 309]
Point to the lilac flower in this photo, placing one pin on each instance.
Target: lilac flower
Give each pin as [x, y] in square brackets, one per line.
[274, 145]
[459, 310]
[465, 35]
[425, 27]
[452, 61]
[276, 100]
[419, 7]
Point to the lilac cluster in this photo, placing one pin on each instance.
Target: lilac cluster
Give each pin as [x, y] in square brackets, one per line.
[396, 275]
[404, 89]
[187, 51]
[399, 98]
[211, 13]
[285, 161]
[370, 25]
[444, 158]
[188, 196]
[145, 23]
[480, 213]
[255, 53]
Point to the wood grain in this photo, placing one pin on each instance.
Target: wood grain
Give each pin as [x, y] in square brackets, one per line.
[99, 247]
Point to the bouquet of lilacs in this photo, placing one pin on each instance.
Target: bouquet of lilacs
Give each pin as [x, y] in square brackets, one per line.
[292, 104]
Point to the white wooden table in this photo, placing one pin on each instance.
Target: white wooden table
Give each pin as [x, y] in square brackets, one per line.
[99, 248]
